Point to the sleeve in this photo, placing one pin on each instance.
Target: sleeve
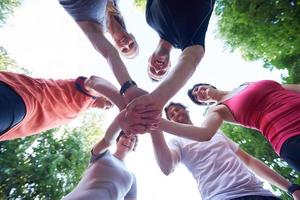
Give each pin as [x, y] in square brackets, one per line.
[132, 193]
[95, 157]
[175, 144]
[231, 144]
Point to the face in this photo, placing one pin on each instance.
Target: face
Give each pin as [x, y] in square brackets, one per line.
[103, 102]
[126, 143]
[178, 114]
[202, 93]
[127, 45]
[158, 65]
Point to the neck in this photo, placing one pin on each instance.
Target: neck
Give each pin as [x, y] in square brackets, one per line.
[119, 155]
[219, 95]
[163, 46]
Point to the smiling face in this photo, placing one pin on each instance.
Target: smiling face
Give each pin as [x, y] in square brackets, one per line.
[126, 44]
[127, 143]
[178, 114]
[202, 94]
[158, 65]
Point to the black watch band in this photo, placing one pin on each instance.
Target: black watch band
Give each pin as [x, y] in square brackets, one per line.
[126, 85]
[292, 188]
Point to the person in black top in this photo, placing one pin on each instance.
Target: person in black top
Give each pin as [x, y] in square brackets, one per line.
[180, 24]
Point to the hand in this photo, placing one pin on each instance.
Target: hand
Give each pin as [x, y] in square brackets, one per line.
[296, 195]
[146, 104]
[132, 93]
[137, 122]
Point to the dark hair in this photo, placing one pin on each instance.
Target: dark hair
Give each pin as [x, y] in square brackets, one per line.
[193, 98]
[136, 139]
[173, 104]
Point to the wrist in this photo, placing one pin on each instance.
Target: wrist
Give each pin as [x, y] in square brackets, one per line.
[126, 86]
[293, 188]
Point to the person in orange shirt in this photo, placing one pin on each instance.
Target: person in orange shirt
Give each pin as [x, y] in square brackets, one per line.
[29, 105]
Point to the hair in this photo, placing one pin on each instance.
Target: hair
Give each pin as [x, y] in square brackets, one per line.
[193, 98]
[173, 104]
[153, 77]
[136, 139]
[129, 54]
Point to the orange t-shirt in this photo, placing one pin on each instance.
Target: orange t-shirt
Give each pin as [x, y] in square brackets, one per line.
[49, 103]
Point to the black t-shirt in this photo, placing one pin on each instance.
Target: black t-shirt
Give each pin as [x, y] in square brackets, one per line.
[183, 23]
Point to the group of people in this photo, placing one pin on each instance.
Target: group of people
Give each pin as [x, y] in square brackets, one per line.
[29, 106]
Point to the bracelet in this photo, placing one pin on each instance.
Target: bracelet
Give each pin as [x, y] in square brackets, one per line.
[126, 85]
[292, 188]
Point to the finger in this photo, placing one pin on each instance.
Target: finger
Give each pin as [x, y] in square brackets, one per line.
[139, 129]
[146, 108]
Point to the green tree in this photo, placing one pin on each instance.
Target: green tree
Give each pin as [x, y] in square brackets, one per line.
[141, 4]
[48, 165]
[263, 30]
[255, 144]
[6, 8]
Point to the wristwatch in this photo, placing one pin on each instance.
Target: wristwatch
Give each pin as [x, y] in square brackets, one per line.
[292, 188]
[126, 85]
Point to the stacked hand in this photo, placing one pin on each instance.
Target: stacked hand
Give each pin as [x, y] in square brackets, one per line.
[145, 112]
[136, 122]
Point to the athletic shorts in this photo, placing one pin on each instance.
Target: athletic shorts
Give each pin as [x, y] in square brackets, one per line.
[12, 108]
[86, 10]
[290, 152]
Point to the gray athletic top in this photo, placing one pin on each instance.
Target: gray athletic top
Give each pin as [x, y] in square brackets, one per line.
[86, 10]
[106, 178]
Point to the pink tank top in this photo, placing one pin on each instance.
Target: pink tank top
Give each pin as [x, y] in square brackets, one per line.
[49, 103]
[268, 107]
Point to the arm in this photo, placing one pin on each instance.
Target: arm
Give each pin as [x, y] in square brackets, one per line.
[184, 69]
[95, 34]
[97, 85]
[109, 138]
[203, 133]
[166, 159]
[265, 172]
[292, 87]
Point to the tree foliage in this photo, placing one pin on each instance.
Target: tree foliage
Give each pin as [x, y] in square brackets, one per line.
[141, 4]
[6, 8]
[263, 30]
[46, 166]
[255, 144]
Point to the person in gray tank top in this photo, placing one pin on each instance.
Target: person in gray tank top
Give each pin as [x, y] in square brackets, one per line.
[107, 177]
[94, 17]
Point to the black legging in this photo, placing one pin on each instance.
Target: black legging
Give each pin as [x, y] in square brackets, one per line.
[12, 108]
[290, 152]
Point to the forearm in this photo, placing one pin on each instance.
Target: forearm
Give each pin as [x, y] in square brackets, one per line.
[186, 130]
[162, 152]
[95, 34]
[112, 132]
[263, 171]
[183, 70]
[103, 87]
[269, 175]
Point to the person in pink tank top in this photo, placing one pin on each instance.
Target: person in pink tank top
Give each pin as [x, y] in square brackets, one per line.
[29, 105]
[265, 105]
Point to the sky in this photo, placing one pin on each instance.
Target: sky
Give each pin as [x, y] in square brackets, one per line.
[44, 39]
